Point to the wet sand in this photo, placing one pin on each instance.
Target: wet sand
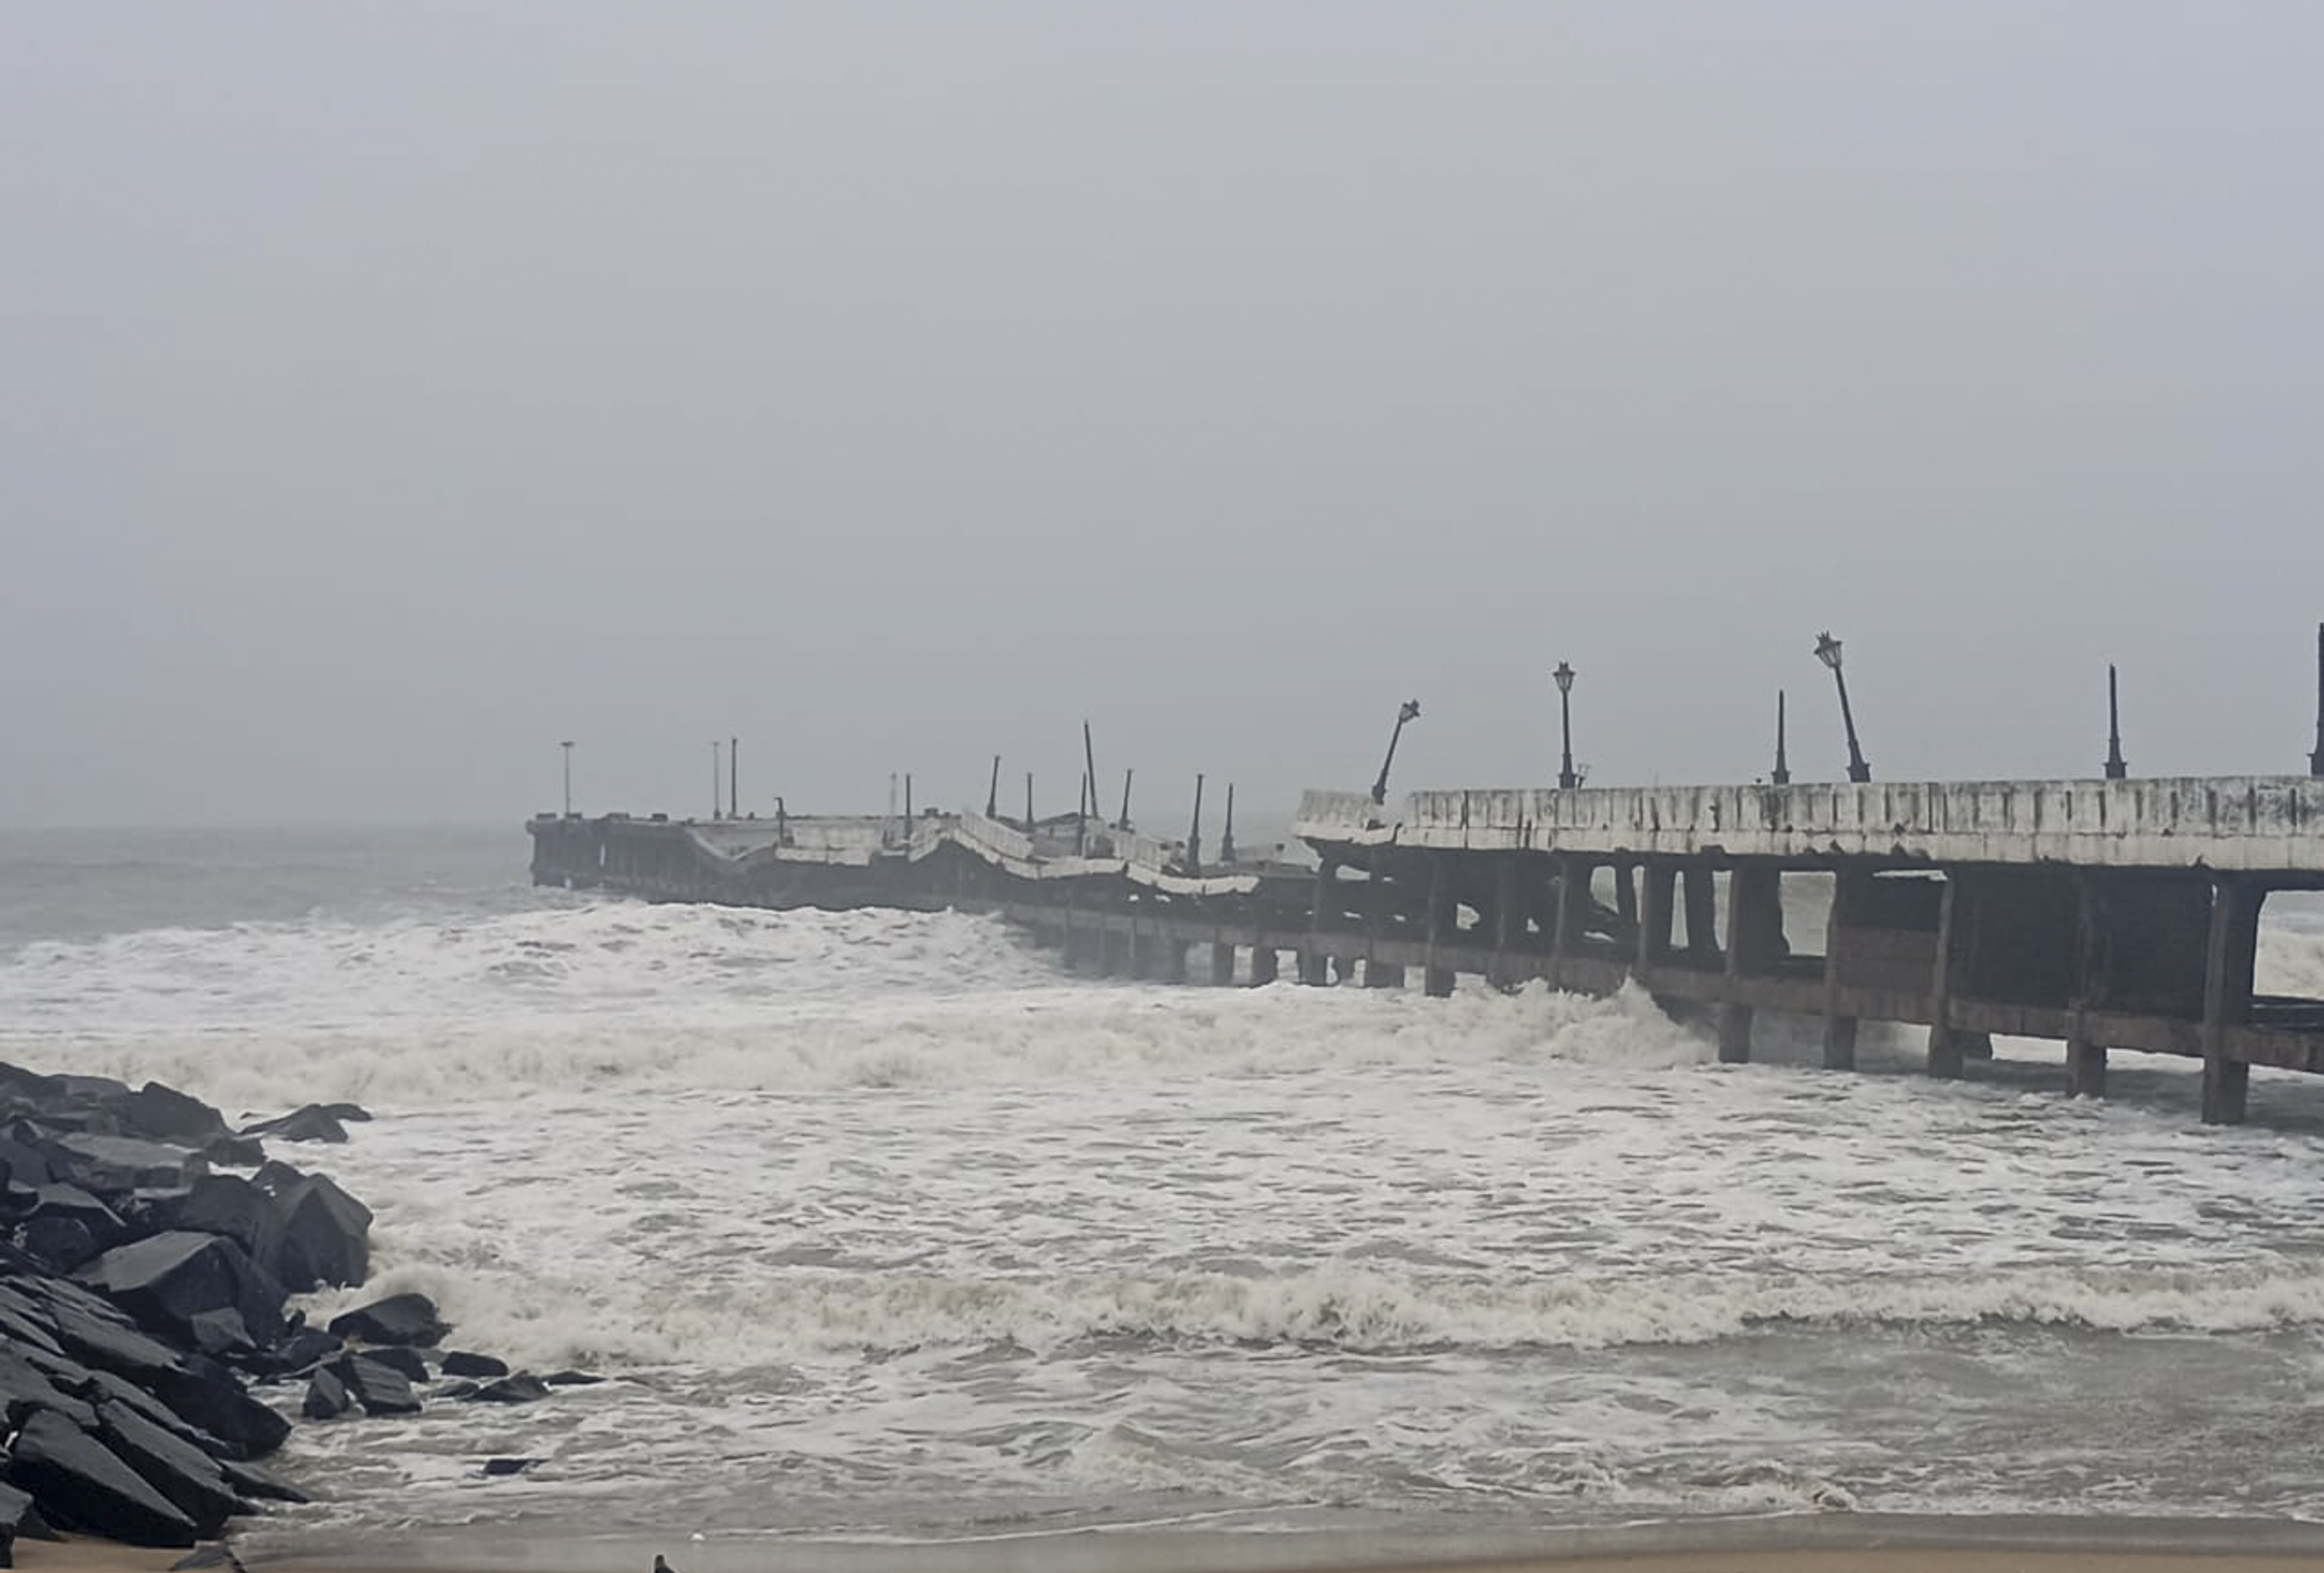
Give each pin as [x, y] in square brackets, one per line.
[1837, 1543]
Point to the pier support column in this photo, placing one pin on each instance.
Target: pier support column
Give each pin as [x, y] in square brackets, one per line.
[1626, 899]
[1114, 957]
[1264, 962]
[1945, 1046]
[2227, 962]
[1752, 895]
[1506, 921]
[1702, 898]
[1223, 957]
[1174, 960]
[1315, 967]
[1383, 973]
[1323, 913]
[1657, 882]
[1838, 1031]
[2086, 1069]
[1437, 981]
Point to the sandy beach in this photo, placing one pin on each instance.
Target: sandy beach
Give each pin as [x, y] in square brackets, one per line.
[1871, 1544]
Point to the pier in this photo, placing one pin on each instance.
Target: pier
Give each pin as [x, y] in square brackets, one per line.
[2101, 914]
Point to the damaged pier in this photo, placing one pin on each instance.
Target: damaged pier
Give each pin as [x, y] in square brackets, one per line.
[2105, 914]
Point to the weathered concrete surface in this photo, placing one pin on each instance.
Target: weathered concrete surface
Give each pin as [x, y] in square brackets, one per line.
[2259, 824]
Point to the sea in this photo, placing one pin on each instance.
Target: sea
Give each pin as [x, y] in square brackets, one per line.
[886, 1230]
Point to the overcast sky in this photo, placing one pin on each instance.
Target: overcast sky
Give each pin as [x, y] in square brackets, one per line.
[388, 391]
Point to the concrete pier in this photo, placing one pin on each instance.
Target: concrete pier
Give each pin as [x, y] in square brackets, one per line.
[2109, 915]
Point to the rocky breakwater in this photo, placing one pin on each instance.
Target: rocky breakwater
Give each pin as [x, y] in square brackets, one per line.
[150, 1254]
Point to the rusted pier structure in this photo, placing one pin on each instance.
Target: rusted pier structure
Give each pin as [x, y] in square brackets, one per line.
[2105, 914]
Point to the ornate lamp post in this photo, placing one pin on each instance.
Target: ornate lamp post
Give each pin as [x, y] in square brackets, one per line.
[1408, 711]
[1828, 651]
[1566, 779]
[567, 746]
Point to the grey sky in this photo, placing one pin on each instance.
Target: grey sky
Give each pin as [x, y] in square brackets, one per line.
[389, 391]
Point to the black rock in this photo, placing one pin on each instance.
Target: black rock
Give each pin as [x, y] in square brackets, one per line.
[457, 1390]
[237, 1151]
[172, 1466]
[221, 1333]
[523, 1387]
[380, 1390]
[163, 1114]
[206, 1397]
[571, 1379]
[103, 1387]
[229, 1205]
[399, 1318]
[113, 1164]
[22, 1321]
[27, 1164]
[249, 1481]
[327, 1397]
[79, 1484]
[59, 1243]
[307, 1346]
[497, 1466]
[461, 1363]
[406, 1362]
[326, 1232]
[105, 1338]
[202, 1557]
[312, 1123]
[61, 1200]
[167, 1280]
[24, 1390]
[19, 1518]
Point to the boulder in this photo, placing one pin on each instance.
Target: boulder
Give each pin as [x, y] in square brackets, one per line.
[183, 1473]
[206, 1397]
[378, 1388]
[457, 1390]
[251, 1483]
[105, 1387]
[571, 1379]
[26, 1390]
[399, 1318]
[79, 1484]
[20, 1322]
[238, 1151]
[27, 1164]
[61, 1200]
[167, 1280]
[20, 1519]
[326, 1233]
[523, 1387]
[461, 1363]
[229, 1205]
[406, 1362]
[327, 1397]
[206, 1557]
[220, 1333]
[106, 1339]
[306, 1348]
[163, 1114]
[312, 1123]
[60, 1244]
[114, 1164]
[498, 1467]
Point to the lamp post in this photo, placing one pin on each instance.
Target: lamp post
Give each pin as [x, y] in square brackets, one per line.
[2316, 760]
[567, 746]
[714, 773]
[2116, 767]
[1408, 711]
[1828, 651]
[1566, 779]
[1782, 775]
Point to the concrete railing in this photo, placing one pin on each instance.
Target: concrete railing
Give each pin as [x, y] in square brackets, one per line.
[2255, 823]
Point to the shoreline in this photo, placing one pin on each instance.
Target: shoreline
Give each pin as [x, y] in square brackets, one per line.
[1807, 1543]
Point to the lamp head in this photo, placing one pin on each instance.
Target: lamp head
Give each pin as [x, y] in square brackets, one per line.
[1408, 711]
[1828, 650]
[1564, 676]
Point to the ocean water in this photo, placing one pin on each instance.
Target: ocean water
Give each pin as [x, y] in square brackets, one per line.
[886, 1229]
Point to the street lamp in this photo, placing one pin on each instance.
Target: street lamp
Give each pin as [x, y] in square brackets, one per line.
[567, 746]
[1828, 651]
[1566, 779]
[1782, 775]
[2116, 767]
[1408, 711]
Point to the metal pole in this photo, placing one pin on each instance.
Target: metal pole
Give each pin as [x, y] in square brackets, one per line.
[734, 776]
[1226, 836]
[1859, 770]
[1124, 826]
[1089, 764]
[1081, 819]
[567, 746]
[992, 793]
[2116, 768]
[907, 802]
[1782, 775]
[1195, 834]
[714, 773]
[2316, 760]
[1409, 710]
[1567, 778]
[1028, 802]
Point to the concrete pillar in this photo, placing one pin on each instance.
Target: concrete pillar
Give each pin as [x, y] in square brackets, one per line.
[1702, 898]
[1263, 961]
[1114, 950]
[2086, 1069]
[1838, 1031]
[1944, 1044]
[1174, 960]
[1746, 913]
[1656, 883]
[2228, 959]
[1572, 894]
[1383, 973]
[1223, 963]
[1505, 921]
[1314, 967]
[1314, 963]
[1625, 897]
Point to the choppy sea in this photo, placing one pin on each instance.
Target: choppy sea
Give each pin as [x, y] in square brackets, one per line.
[887, 1229]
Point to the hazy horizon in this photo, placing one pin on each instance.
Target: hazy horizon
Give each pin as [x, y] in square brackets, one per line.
[393, 393]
